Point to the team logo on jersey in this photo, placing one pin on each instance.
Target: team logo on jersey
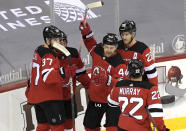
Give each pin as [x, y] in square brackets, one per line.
[71, 10]
[97, 70]
[178, 44]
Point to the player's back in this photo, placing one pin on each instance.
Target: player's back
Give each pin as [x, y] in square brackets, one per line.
[133, 97]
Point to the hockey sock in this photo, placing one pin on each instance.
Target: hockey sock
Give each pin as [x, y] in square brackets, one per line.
[43, 127]
[112, 128]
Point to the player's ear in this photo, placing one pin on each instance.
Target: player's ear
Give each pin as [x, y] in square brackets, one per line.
[47, 41]
[133, 34]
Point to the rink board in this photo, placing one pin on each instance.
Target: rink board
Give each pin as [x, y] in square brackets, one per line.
[16, 115]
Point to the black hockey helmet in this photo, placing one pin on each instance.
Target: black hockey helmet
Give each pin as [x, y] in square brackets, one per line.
[135, 68]
[110, 39]
[63, 36]
[51, 32]
[127, 26]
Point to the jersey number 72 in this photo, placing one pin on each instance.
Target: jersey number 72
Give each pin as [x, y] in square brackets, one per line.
[127, 102]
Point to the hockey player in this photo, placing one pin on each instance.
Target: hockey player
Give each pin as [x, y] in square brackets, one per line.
[106, 62]
[45, 91]
[81, 76]
[129, 48]
[139, 101]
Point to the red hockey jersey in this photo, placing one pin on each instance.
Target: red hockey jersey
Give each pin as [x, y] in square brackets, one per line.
[45, 81]
[140, 51]
[136, 99]
[113, 66]
[81, 74]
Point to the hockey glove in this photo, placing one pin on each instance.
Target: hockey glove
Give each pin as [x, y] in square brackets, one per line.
[85, 31]
[70, 71]
[99, 77]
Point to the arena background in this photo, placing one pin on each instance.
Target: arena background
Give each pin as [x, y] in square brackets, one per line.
[160, 24]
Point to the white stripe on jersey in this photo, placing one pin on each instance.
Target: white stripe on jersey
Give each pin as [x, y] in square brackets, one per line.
[46, 75]
[91, 50]
[89, 35]
[112, 105]
[155, 106]
[109, 80]
[81, 70]
[149, 68]
[155, 74]
[112, 101]
[138, 117]
[156, 114]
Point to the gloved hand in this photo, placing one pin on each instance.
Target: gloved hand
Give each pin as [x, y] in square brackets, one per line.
[70, 71]
[85, 29]
[99, 77]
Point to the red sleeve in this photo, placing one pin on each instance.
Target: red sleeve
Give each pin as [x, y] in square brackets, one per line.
[113, 97]
[84, 79]
[149, 66]
[155, 108]
[50, 69]
[79, 64]
[90, 43]
[81, 74]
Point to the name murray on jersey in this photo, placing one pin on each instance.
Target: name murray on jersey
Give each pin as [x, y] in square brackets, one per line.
[129, 91]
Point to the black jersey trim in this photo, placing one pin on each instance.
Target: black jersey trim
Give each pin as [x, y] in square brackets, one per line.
[73, 52]
[43, 51]
[155, 110]
[139, 47]
[151, 71]
[129, 83]
[114, 61]
[80, 73]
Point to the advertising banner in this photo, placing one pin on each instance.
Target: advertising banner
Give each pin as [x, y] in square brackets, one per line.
[160, 24]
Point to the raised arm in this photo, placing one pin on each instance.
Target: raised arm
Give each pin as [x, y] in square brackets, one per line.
[87, 36]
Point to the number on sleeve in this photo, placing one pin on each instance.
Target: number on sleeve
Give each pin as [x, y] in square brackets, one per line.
[149, 56]
[121, 72]
[155, 95]
[36, 65]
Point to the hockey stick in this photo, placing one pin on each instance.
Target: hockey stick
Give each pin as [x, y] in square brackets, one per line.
[90, 6]
[153, 123]
[80, 47]
[68, 55]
